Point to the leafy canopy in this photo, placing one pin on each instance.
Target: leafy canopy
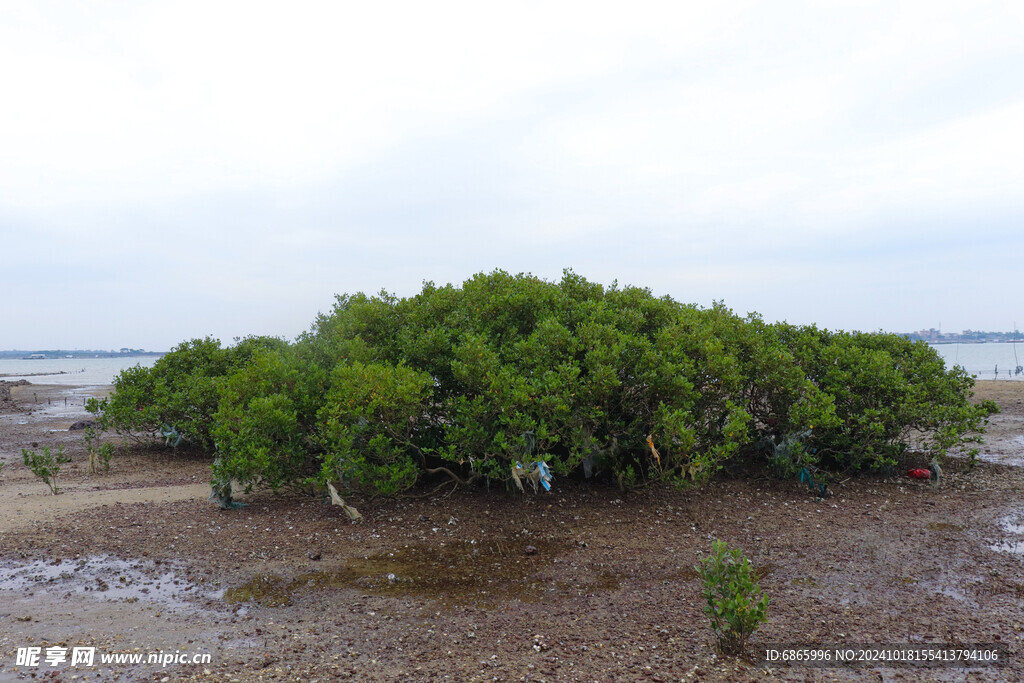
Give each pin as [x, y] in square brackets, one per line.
[596, 381]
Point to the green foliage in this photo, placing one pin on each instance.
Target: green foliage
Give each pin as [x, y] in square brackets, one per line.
[46, 465]
[181, 391]
[266, 422]
[369, 425]
[736, 605]
[595, 381]
[104, 455]
[100, 455]
[890, 394]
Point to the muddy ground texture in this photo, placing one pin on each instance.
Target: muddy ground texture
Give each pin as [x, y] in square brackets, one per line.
[583, 583]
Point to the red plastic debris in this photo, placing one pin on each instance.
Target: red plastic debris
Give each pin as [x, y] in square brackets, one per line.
[919, 473]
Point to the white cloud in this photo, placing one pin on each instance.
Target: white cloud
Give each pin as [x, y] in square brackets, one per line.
[286, 152]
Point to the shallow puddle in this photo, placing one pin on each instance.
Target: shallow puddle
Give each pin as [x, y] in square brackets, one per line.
[103, 577]
[1014, 526]
[1009, 451]
[460, 572]
[1009, 547]
[943, 587]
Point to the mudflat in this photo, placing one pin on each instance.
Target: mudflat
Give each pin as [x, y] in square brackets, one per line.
[580, 584]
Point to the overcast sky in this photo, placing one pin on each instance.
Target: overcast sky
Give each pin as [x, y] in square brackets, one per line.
[177, 169]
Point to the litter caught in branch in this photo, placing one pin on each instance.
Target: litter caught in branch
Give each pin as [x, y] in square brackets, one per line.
[819, 488]
[171, 435]
[352, 513]
[654, 451]
[517, 476]
[221, 495]
[539, 475]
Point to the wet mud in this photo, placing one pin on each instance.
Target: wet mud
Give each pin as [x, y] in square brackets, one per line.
[578, 585]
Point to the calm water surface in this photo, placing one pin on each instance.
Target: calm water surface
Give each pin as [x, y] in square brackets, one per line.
[70, 371]
[985, 361]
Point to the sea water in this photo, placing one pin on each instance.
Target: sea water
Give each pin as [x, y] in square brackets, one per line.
[70, 371]
[989, 360]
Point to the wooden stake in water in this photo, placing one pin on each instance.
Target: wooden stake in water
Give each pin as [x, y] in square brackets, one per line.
[1016, 363]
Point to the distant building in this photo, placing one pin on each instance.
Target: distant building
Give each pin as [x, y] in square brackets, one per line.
[966, 336]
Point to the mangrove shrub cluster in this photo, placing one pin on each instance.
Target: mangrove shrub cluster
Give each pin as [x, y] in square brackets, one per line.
[606, 382]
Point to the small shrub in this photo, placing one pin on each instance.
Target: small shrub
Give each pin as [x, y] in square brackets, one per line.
[736, 603]
[46, 466]
[99, 455]
[104, 455]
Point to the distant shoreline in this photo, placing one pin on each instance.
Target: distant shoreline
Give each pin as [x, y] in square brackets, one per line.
[976, 341]
[34, 374]
[74, 355]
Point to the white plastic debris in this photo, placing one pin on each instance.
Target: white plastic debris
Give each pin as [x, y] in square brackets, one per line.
[352, 513]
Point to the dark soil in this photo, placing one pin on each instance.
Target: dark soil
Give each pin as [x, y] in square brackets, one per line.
[581, 584]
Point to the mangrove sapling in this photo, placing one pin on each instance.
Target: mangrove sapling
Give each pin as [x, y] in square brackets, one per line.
[99, 454]
[736, 604]
[104, 455]
[46, 466]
